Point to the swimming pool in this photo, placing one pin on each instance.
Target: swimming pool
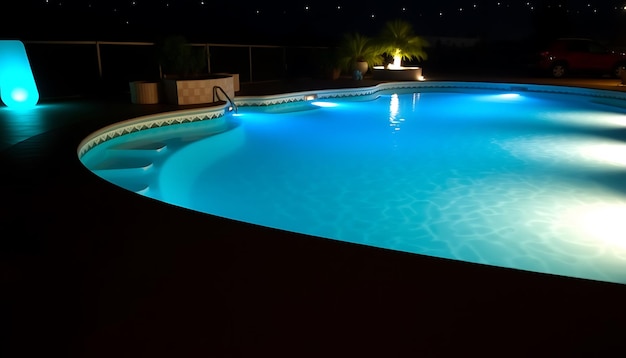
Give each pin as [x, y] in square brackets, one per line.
[524, 177]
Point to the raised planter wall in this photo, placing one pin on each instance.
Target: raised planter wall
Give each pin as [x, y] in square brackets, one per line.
[235, 79]
[197, 91]
[144, 92]
[401, 74]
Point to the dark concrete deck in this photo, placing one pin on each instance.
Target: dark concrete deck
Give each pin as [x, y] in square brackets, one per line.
[91, 270]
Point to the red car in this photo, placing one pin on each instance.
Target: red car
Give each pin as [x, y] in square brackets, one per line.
[569, 55]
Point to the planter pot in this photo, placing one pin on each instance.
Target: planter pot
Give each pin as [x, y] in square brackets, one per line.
[144, 92]
[361, 66]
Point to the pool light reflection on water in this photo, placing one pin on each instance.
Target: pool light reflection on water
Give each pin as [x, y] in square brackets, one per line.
[502, 179]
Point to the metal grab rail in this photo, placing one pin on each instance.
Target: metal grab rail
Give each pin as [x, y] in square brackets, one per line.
[215, 88]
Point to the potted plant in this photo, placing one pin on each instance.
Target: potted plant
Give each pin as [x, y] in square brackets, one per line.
[327, 64]
[184, 73]
[178, 58]
[398, 41]
[358, 52]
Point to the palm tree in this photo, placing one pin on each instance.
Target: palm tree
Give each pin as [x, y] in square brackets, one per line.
[398, 40]
[358, 48]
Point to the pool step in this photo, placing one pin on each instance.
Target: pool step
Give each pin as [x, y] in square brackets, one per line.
[128, 172]
[134, 186]
[141, 146]
[124, 163]
[130, 165]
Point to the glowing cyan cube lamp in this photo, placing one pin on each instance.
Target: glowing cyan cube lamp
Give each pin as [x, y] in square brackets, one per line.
[17, 83]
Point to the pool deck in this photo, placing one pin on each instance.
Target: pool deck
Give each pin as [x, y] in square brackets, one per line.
[91, 270]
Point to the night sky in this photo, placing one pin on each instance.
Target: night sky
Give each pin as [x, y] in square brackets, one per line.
[305, 22]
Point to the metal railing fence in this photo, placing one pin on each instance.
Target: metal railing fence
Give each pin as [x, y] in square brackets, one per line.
[71, 68]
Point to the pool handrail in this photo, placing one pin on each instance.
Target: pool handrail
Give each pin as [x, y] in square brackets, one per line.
[215, 88]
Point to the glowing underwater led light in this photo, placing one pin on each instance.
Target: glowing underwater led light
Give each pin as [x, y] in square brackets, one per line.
[324, 104]
[603, 222]
[509, 96]
[612, 153]
[17, 83]
[501, 97]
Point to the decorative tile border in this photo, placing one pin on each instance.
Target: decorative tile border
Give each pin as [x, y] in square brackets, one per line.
[187, 116]
[148, 122]
[243, 101]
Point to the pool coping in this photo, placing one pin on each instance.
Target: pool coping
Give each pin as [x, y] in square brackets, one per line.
[151, 121]
[302, 96]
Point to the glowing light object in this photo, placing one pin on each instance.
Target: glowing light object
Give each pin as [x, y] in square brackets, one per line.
[17, 83]
[397, 62]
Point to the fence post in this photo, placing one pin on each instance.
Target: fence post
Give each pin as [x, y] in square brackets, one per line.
[250, 60]
[99, 59]
[207, 46]
[285, 69]
[208, 57]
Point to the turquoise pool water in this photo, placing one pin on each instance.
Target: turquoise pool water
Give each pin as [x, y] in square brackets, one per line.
[529, 181]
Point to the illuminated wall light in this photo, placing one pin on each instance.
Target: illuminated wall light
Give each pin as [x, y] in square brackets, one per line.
[17, 83]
